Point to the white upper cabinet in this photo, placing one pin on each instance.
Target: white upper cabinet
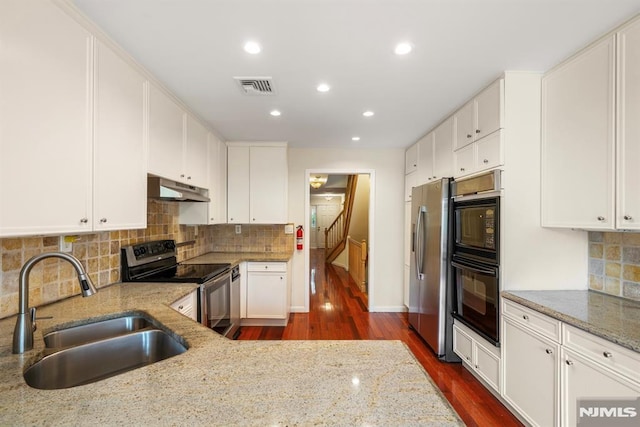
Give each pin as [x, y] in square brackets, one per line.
[443, 149]
[257, 184]
[45, 120]
[411, 159]
[464, 121]
[481, 116]
[628, 173]
[578, 140]
[196, 159]
[425, 159]
[120, 180]
[165, 136]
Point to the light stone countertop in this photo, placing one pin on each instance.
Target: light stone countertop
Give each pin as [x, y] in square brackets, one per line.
[219, 381]
[238, 257]
[612, 318]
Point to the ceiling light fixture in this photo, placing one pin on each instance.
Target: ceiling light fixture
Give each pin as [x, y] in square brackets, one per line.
[368, 113]
[317, 181]
[275, 113]
[355, 138]
[323, 87]
[252, 48]
[403, 48]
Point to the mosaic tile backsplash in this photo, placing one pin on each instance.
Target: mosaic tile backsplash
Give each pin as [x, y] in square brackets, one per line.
[51, 279]
[614, 263]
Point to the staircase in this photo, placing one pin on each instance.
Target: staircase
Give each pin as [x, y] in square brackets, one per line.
[335, 236]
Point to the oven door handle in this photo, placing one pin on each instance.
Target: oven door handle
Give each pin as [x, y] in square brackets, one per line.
[477, 269]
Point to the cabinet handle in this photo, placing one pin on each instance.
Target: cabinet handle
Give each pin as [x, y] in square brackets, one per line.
[628, 217]
[188, 177]
[485, 161]
[434, 177]
[525, 317]
[607, 354]
[180, 307]
[568, 362]
[600, 218]
[84, 220]
[549, 351]
[477, 130]
[181, 175]
[461, 169]
[468, 135]
[103, 220]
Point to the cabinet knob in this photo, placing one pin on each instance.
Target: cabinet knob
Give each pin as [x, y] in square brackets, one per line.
[266, 267]
[607, 354]
[181, 175]
[230, 219]
[461, 169]
[468, 358]
[477, 367]
[211, 219]
[628, 217]
[84, 220]
[485, 161]
[180, 307]
[188, 177]
[525, 317]
[477, 130]
[568, 362]
[103, 220]
[469, 135]
[434, 177]
[254, 219]
[601, 218]
[549, 351]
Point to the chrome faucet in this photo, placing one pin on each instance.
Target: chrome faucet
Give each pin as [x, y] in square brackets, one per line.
[25, 325]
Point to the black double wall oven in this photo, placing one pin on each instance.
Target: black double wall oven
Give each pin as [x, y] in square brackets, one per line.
[475, 259]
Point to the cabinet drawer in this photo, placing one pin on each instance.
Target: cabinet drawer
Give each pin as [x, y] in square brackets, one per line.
[540, 323]
[267, 266]
[487, 366]
[606, 353]
[462, 344]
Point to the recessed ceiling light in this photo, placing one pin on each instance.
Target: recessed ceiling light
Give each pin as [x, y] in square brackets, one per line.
[323, 87]
[403, 48]
[252, 47]
[275, 113]
[368, 113]
[355, 138]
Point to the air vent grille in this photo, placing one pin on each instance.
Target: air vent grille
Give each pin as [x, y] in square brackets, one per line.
[256, 85]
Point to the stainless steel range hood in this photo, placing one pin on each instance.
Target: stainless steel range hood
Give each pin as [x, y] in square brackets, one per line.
[165, 189]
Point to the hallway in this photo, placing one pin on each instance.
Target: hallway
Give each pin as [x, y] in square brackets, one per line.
[338, 310]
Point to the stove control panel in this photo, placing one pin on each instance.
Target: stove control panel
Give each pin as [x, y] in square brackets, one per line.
[144, 253]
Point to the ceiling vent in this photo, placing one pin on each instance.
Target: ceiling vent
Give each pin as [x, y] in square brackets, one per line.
[256, 85]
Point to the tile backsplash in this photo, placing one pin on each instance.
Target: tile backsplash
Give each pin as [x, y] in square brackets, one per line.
[614, 263]
[51, 279]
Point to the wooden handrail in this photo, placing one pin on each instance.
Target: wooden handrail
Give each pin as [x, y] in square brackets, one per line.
[335, 236]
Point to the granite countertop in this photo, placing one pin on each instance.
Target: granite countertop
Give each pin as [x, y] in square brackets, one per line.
[219, 381]
[612, 318]
[238, 257]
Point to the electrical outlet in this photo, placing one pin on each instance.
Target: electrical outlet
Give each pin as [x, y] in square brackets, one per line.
[288, 229]
[238, 229]
[66, 244]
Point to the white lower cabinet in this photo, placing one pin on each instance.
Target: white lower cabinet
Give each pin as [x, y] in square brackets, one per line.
[188, 305]
[478, 356]
[530, 382]
[549, 367]
[267, 294]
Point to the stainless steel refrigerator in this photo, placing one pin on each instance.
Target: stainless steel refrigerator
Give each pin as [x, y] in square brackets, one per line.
[430, 294]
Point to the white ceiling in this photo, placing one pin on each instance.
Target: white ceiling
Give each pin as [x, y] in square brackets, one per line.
[195, 48]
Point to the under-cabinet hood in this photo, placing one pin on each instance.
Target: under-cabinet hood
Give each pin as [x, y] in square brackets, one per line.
[166, 189]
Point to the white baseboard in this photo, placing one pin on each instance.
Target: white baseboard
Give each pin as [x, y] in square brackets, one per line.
[298, 309]
[388, 309]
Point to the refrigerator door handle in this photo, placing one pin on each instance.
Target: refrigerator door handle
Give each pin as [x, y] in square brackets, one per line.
[419, 252]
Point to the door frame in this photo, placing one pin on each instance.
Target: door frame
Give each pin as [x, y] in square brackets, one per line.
[371, 242]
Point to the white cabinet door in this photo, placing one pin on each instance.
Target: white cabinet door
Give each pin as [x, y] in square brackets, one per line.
[238, 185]
[165, 136]
[268, 181]
[120, 169]
[583, 379]
[489, 110]
[578, 140]
[45, 121]
[530, 366]
[217, 180]
[464, 123]
[196, 153]
[443, 150]
[487, 365]
[489, 152]
[410, 181]
[628, 172]
[464, 161]
[187, 305]
[411, 159]
[267, 295]
[462, 345]
[425, 160]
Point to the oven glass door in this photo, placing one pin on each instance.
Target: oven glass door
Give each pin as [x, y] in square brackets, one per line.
[476, 227]
[477, 293]
[215, 298]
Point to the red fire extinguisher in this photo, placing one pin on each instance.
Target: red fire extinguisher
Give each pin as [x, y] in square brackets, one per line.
[299, 237]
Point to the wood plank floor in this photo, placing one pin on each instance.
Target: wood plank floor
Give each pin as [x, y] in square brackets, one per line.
[338, 310]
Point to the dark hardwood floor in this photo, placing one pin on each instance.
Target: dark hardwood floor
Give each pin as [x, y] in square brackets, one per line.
[338, 310]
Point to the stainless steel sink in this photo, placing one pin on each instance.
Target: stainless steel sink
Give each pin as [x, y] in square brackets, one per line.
[91, 362]
[95, 331]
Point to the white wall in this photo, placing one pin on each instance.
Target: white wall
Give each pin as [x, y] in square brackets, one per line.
[386, 167]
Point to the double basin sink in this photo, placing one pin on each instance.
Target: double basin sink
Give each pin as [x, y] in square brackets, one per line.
[95, 351]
